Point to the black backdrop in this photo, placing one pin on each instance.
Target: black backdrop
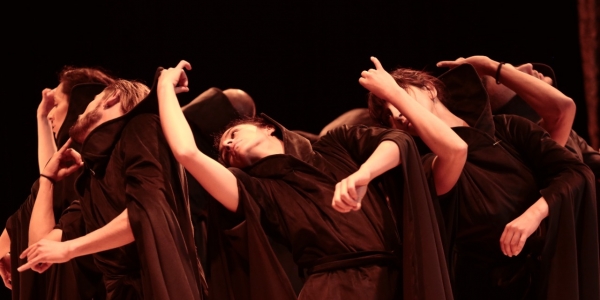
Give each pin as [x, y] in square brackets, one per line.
[300, 62]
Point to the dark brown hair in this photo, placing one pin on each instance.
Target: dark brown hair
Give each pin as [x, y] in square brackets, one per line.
[405, 78]
[70, 76]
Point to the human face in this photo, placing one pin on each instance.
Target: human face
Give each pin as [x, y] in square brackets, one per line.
[58, 113]
[244, 144]
[398, 121]
[88, 120]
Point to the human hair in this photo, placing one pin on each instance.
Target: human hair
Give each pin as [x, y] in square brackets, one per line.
[71, 76]
[404, 78]
[130, 93]
[258, 121]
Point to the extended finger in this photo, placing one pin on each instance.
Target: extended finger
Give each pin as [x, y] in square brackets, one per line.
[27, 251]
[65, 146]
[75, 156]
[183, 64]
[27, 265]
[376, 62]
[447, 64]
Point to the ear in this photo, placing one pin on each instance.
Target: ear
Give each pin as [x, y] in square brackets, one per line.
[111, 100]
[270, 130]
[432, 91]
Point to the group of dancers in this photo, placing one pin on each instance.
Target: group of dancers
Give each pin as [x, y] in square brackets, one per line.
[470, 185]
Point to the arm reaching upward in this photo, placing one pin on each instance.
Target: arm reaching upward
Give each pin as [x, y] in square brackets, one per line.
[46, 144]
[556, 109]
[450, 149]
[213, 176]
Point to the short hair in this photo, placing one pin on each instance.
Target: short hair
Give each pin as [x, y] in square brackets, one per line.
[130, 93]
[404, 78]
[71, 76]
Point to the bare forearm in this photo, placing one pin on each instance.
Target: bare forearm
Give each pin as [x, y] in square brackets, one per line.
[539, 209]
[46, 144]
[213, 176]
[556, 109]
[384, 158]
[115, 234]
[42, 215]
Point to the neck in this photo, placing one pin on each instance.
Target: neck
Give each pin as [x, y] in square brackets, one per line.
[442, 112]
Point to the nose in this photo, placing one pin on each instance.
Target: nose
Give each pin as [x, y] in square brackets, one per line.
[227, 143]
[50, 116]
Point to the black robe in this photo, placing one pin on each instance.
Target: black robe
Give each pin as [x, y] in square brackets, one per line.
[128, 165]
[358, 255]
[79, 278]
[511, 163]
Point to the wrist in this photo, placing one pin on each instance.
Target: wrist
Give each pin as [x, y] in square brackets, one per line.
[72, 248]
[47, 178]
[539, 210]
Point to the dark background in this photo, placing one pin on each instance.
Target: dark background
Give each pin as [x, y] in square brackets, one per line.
[300, 62]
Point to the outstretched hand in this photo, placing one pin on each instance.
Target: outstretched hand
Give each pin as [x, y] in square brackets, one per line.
[41, 255]
[378, 81]
[63, 163]
[482, 64]
[176, 77]
[350, 191]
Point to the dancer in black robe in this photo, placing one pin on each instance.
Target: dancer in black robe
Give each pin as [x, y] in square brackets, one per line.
[280, 185]
[133, 201]
[60, 106]
[520, 219]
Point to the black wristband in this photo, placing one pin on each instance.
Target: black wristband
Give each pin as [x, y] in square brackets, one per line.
[498, 72]
[49, 178]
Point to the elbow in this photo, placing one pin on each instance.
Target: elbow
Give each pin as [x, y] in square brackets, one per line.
[186, 155]
[461, 152]
[564, 110]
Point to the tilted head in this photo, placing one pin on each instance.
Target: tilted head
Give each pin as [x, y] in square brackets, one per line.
[246, 141]
[68, 78]
[114, 101]
[423, 87]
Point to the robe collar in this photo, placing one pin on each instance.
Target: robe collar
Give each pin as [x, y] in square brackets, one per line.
[298, 153]
[99, 144]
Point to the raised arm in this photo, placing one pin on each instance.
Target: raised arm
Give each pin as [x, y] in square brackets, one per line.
[350, 191]
[213, 176]
[556, 109]
[46, 143]
[450, 149]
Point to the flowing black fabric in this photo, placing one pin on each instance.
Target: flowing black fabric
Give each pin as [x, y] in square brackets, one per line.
[511, 163]
[79, 278]
[289, 196]
[138, 172]
[128, 165]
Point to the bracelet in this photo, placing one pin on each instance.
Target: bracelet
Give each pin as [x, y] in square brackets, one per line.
[49, 178]
[498, 72]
